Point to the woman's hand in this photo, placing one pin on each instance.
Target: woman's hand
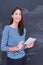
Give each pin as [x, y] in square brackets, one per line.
[10, 48]
[13, 49]
[29, 45]
[16, 48]
[20, 45]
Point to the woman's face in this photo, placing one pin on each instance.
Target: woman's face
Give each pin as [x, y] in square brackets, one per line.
[17, 16]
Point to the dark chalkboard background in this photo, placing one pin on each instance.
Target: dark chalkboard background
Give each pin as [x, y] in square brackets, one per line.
[33, 19]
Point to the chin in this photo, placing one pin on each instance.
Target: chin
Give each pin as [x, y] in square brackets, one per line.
[17, 21]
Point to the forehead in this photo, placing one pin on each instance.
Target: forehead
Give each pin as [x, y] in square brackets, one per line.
[18, 11]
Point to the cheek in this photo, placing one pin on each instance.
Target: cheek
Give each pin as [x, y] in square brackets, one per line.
[20, 17]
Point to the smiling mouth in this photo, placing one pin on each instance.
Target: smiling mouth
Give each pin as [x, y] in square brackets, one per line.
[17, 18]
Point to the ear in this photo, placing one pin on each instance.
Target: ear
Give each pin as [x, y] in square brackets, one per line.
[12, 16]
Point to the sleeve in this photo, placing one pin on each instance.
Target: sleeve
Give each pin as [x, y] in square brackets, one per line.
[4, 39]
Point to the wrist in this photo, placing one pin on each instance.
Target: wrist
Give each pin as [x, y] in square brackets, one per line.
[17, 47]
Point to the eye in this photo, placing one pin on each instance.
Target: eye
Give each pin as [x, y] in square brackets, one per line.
[15, 13]
[19, 14]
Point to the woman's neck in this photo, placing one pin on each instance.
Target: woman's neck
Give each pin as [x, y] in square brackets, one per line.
[14, 25]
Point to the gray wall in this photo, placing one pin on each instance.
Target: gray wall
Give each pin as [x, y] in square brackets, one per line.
[33, 19]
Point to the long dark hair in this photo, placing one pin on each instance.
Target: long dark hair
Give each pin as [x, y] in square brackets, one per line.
[20, 24]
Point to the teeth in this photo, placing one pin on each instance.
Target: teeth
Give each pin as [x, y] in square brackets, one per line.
[17, 19]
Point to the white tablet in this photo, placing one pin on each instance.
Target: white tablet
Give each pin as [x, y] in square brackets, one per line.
[29, 40]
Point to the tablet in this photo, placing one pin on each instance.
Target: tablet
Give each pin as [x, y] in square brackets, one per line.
[29, 40]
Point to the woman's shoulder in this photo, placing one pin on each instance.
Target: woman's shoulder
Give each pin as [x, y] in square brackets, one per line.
[6, 27]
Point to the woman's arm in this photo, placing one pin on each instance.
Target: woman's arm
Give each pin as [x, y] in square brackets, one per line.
[13, 48]
[4, 39]
[16, 48]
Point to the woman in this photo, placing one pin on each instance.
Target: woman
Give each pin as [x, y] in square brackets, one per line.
[13, 39]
